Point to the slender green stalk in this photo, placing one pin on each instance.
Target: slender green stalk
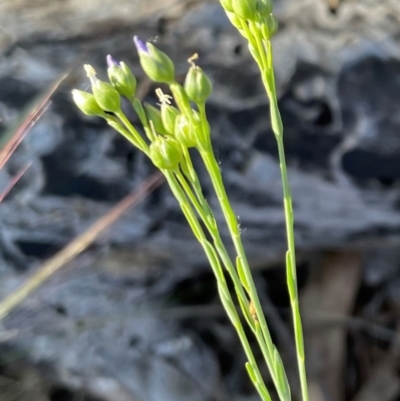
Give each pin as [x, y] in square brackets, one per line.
[291, 275]
[263, 337]
[225, 296]
[207, 154]
[209, 222]
[262, 53]
[266, 348]
[137, 139]
[130, 134]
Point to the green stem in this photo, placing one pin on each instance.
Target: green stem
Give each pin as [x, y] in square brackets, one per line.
[208, 219]
[277, 126]
[202, 208]
[140, 143]
[224, 291]
[232, 223]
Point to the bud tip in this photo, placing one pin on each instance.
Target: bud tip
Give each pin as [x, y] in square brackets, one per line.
[140, 45]
[111, 62]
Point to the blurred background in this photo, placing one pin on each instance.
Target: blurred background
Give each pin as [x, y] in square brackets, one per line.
[136, 315]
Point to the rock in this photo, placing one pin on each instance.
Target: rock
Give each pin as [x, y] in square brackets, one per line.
[339, 95]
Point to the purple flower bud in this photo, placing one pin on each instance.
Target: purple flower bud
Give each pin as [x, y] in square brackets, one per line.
[121, 78]
[156, 64]
[111, 62]
[140, 45]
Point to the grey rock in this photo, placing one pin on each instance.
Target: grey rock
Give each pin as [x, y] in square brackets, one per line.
[339, 98]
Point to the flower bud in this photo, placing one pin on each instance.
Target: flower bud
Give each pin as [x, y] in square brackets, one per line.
[168, 115]
[269, 26]
[264, 7]
[121, 78]
[155, 63]
[226, 5]
[154, 115]
[165, 153]
[105, 94]
[184, 132]
[86, 102]
[197, 85]
[168, 112]
[235, 21]
[246, 9]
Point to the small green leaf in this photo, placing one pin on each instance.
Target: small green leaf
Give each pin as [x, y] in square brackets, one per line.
[212, 255]
[283, 387]
[228, 304]
[251, 372]
[242, 275]
[152, 114]
[191, 222]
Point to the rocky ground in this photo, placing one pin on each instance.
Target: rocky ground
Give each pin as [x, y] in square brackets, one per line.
[136, 317]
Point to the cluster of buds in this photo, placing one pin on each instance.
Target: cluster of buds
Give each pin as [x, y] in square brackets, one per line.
[241, 12]
[169, 129]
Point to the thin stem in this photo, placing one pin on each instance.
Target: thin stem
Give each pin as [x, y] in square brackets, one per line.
[117, 125]
[203, 210]
[277, 126]
[141, 144]
[224, 293]
[232, 223]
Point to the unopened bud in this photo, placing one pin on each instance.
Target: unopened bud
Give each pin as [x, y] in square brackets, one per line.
[155, 63]
[169, 114]
[87, 103]
[269, 26]
[246, 9]
[197, 85]
[165, 153]
[226, 5]
[264, 7]
[105, 94]
[235, 21]
[121, 78]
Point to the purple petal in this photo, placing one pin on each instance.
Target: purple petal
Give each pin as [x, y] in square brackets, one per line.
[140, 45]
[111, 62]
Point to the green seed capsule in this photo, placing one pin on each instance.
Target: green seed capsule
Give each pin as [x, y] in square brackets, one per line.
[184, 132]
[168, 115]
[165, 153]
[86, 102]
[197, 85]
